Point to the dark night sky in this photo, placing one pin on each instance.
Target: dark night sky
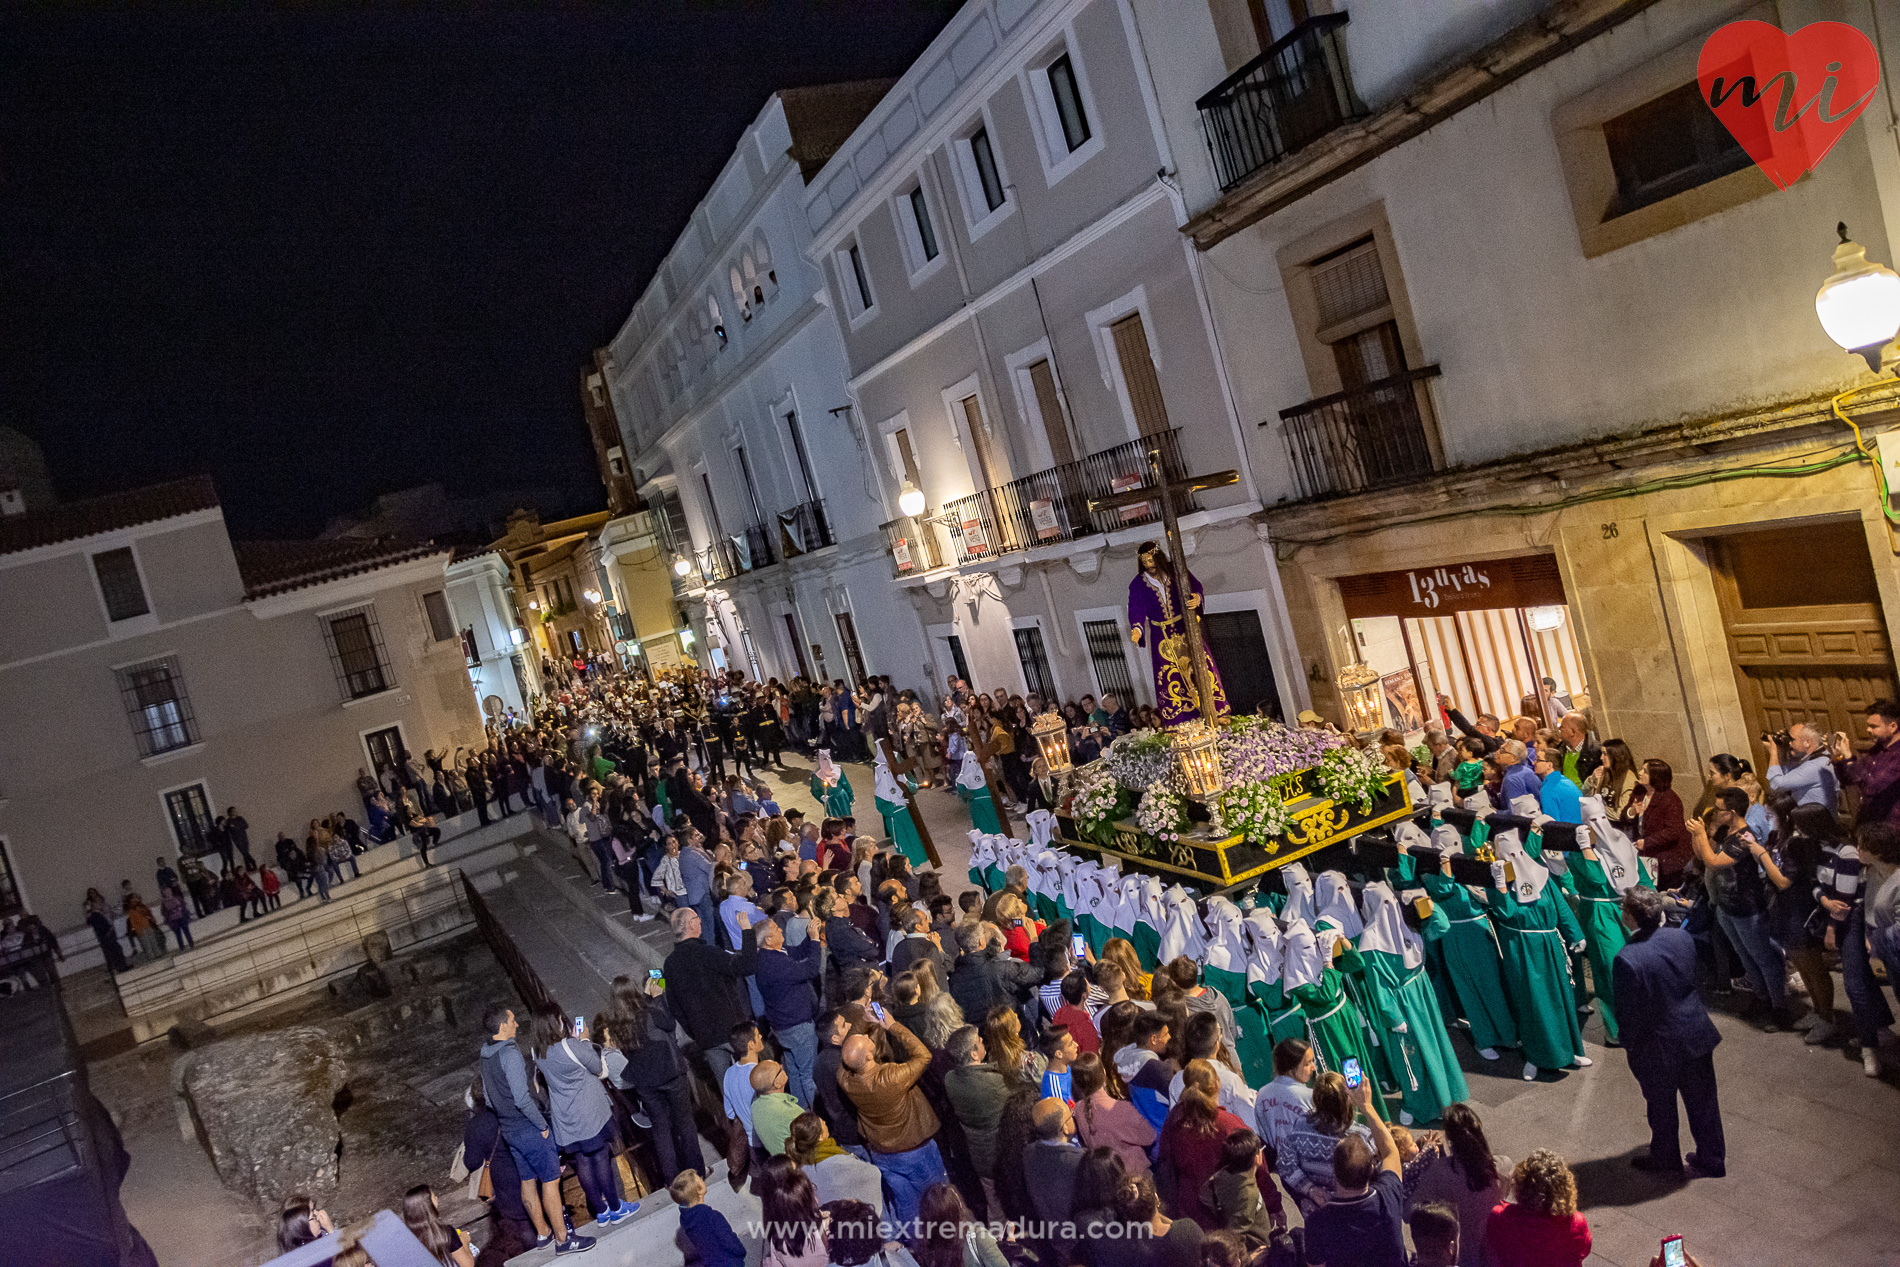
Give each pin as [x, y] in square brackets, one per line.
[324, 256]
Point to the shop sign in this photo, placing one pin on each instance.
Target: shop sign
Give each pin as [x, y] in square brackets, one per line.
[1440, 590]
[1042, 513]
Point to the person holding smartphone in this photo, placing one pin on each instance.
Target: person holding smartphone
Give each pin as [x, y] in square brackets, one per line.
[582, 1116]
[1364, 1220]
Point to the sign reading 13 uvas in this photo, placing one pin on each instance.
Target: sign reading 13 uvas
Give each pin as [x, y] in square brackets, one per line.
[1443, 588]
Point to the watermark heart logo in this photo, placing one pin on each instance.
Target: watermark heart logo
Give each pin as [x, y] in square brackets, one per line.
[1787, 98]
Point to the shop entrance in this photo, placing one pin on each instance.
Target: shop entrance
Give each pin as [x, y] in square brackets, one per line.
[1805, 630]
[1486, 633]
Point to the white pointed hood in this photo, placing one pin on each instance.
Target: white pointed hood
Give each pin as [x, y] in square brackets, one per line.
[1386, 930]
[1332, 903]
[827, 771]
[970, 773]
[1226, 948]
[1042, 827]
[1299, 895]
[1479, 803]
[1526, 806]
[1181, 933]
[1618, 853]
[1149, 907]
[1440, 795]
[884, 783]
[1531, 874]
[1446, 840]
[1411, 835]
[1265, 958]
[982, 851]
[1301, 963]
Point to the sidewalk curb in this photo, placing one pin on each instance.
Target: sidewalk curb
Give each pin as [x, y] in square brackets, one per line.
[640, 951]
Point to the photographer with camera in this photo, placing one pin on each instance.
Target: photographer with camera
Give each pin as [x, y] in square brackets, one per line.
[1801, 765]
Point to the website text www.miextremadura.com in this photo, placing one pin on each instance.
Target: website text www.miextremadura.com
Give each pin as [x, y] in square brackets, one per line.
[1058, 1230]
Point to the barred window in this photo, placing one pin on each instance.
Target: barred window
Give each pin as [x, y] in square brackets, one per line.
[189, 809]
[1036, 673]
[356, 652]
[441, 624]
[119, 582]
[1105, 641]
[159, 708]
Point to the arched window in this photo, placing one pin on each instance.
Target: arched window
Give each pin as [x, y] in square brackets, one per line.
[715, 324]
[738, 289]
[762, 252]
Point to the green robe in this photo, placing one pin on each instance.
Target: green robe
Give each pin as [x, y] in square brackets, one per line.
[1256, 1049]
[1282, 1016]
[1471, 955]
[1533, 945]
[982, 811]
[836, 800]
[903, 831]
[1333, 1022]
[1600, 911]
[1147, 940]
[1421, 1059]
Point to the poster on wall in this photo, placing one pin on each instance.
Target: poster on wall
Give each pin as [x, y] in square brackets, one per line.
[1140, 510]
[1402, 705]
[662, 653]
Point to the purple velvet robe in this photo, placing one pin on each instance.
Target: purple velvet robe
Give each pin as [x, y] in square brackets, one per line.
[1155, 610]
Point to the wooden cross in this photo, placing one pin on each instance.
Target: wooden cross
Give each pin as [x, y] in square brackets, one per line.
[899, 769]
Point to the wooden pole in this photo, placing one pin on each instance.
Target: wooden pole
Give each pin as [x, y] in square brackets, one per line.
[981, 745]
[1177, 557]
[910, 804]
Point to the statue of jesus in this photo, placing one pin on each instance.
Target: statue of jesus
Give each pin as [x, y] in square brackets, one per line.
[1157, 620]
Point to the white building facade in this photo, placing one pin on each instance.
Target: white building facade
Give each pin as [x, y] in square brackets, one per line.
[1023, 321]
[729, 384]
[1525, 348]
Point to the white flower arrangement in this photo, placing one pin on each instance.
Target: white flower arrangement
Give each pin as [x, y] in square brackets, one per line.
[1099, 801]
[1162, 813]
[1140, 757]
[1252, 810]
[1351, 774]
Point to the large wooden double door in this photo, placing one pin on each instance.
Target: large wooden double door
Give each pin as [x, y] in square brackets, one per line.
[1805, 629]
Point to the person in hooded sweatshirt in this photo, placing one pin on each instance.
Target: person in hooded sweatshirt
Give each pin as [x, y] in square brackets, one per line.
[525, 1131]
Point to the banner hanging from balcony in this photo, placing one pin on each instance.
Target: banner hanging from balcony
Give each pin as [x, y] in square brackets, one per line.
[900, 550]
[976, 543]
[1043, 515]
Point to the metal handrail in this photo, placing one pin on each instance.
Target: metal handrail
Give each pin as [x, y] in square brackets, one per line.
[1281, 101]
[918, 537]
[1361, 438]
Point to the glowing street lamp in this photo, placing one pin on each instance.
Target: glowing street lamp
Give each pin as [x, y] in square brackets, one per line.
[680, 565]
[1859, 306]
[911, 500]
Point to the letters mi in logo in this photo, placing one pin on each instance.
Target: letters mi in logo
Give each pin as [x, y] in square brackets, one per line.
[1788, 98]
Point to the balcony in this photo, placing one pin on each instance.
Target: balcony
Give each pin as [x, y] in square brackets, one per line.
[1281, 101]
[735, 556]
[1050, 506]
[912, 544]
[1363, 438]
[804, 528]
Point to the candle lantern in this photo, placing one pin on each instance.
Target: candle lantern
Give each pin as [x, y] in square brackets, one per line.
[1359, 692]
[1052, 740]
[1196, 749]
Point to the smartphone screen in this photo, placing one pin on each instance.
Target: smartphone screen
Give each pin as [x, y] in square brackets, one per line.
[1354, 1076]
[1081, 946]
[580, 1026]
[1672, 1254]
[653, 974]
[877, 1010]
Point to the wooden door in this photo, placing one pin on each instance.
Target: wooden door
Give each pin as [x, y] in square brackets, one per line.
[1805, 629]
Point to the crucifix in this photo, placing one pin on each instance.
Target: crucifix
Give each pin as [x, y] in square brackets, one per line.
[1162, 491]
[980, 745]
[907, 766]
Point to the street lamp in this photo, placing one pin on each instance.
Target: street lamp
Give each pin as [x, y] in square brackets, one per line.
[1859, 306]
[911, 501]
[592, 596]
[680, 565]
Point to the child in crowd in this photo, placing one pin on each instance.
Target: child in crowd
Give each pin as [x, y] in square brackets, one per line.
[1435, 1234]
[712, 1236]
[1232, 1193]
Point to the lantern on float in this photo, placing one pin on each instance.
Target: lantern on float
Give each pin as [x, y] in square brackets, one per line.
[1359, 691]
[1052, 740]
[1197, 752]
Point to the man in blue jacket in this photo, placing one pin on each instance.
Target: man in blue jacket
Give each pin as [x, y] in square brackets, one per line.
[788, 981]
[1669, 1038]
[524, 1130]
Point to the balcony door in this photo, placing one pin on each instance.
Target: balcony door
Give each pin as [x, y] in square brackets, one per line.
[1139, 379]
[972, 409]
[1042, 384]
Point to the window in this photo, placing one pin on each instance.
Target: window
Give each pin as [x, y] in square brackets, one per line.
[1068, 102]
[1355, 314]
[441, 623]
[159, 709]
[189, 811]
[920, 218]
[356, 652]
[804, 458]
[1138, 375]
[119, 583]
[712, 506]
[853, 656]
[1667, 146]
[385, 748]
[858, 278]
[962, 666]
[798, 648]
[907, 456]
[1037, 676]
[1107, 657]
[1042, 383]
[989, 178]
[972, 410]
[751, 486]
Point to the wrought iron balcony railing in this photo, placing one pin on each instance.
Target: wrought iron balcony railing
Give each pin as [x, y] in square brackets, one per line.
[1361, 438]
[804, 528]
[913, 546]
[1053, 505]
[1281, 101]
[735, 556]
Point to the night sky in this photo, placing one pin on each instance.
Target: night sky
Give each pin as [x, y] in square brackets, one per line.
[324, 257]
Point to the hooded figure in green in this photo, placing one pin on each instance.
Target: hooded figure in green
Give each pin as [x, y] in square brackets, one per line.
[1266, 996]
[1536, 933]
[893, 803]
[1226, 971]
[1600, 876]
[1465, 938]
[1404, 1006]
[1333, 1023]
[830, 787]
[975, 791]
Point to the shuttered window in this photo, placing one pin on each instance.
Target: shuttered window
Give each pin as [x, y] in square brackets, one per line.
[1043, 380]
[1138, 375]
